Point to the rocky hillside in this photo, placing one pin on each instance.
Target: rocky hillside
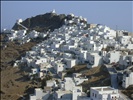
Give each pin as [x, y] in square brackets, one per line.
[43, 22]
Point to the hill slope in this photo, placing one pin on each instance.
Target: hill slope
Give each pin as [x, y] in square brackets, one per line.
[43, 22]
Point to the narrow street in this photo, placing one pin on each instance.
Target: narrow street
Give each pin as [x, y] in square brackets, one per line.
[113, 75]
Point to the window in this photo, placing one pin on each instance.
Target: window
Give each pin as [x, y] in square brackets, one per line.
[95, 95]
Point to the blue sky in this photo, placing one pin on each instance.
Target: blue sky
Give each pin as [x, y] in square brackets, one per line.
[109, 13]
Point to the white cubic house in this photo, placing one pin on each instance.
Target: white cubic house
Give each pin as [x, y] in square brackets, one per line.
[94, 60]
[127, 79]
[104, 93]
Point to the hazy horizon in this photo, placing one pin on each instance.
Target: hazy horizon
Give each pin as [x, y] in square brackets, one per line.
[110, 13]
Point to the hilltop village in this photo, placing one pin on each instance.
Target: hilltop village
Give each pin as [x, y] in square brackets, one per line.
[73, 45]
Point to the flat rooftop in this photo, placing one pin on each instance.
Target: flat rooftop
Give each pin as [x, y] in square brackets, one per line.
[63, 91]
[108, 88]
[105, 89]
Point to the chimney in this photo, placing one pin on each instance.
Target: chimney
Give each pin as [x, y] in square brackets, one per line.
[102, 89]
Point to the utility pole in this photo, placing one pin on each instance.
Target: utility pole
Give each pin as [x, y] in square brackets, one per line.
[116, 27]
[116, 33]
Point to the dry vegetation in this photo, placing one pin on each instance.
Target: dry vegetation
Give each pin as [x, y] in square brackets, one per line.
[129, 92]
[13, 52]
[14, 82]
[97, 76]
[76, 69]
